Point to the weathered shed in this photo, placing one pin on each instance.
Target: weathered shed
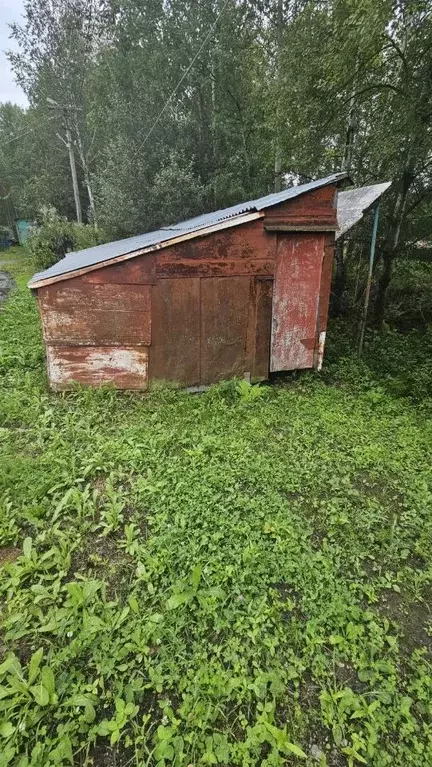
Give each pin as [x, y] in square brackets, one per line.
[240, 292]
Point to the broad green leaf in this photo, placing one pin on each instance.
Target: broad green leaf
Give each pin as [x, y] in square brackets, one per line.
[34, 664]
[6, 730]
[196, 576]
[47, 679]
[9, 664]
[133, 603]
[178, 599]
[293, 749]
[27, 547]
[89, 713]
[337, 734]
[40, 694]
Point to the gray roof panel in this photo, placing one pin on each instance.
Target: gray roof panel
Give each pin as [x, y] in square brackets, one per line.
[111, 250]
[354, 203]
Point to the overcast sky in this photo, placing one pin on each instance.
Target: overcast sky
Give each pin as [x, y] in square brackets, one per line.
[10, 10]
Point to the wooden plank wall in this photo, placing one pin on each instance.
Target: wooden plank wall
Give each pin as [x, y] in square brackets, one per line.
[295, 303]
[211, 307]
[195, 312]
[97, 327]
[315, 210]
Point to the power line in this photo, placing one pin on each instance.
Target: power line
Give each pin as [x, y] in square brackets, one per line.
[183, 77]
[21, 135]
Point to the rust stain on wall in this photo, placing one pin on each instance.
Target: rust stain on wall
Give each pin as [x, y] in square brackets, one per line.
[175, 348]
[81, 327]
[73, 294]
[139, 271]
[295, 300]
[239, 301]
[224, 323]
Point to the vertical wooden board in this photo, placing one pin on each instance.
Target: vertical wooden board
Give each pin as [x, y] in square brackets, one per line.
[224, 323]
[324, 298]
[325, 287]
[295, 301]
[263, 293]
[175, 349]
[126, 368]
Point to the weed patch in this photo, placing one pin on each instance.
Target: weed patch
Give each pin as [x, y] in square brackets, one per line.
[224, 579]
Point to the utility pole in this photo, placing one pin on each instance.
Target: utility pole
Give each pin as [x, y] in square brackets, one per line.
[70, 146]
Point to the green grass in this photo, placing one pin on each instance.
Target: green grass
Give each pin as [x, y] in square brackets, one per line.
[231, 579]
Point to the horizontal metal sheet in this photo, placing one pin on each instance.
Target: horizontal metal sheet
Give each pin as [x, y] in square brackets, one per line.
[353, 204]
[100, 253]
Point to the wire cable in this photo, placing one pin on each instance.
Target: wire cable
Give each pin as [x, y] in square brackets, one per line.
[21, 135]
[183, 77]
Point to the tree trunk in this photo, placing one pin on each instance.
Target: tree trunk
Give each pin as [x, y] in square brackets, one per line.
[392, 241]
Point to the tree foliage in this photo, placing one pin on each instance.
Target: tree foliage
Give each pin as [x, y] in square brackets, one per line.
[178, 107]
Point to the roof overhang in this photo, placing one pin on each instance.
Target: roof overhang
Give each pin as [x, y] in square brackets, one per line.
[354, 203]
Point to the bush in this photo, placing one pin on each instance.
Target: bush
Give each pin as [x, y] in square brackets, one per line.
[56, 236]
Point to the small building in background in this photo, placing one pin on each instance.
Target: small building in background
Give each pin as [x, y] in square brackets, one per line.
[242, 292]
[23, 229]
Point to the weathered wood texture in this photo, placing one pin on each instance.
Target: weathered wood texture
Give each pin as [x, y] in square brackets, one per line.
[76, 313]
[137, 271]
[175, 348]
[315, 211]
[224, 326]
[205, 329]
[206, 308]
[264, 297]
[94, 365]
[295, 301]
[210, 309]
[73, 294]
[325, 286]
[245, 250]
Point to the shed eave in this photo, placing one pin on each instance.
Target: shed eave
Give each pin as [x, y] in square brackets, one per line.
[227, 224]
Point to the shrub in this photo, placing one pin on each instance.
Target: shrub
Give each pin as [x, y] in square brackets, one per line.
[56, 236]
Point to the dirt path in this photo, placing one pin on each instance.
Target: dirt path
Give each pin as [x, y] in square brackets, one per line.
[6, 283]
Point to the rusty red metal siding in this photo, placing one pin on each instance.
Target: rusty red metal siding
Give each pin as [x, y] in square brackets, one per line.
[97, 332]
[138, 271]
[126, 368]
[210, 311]
[201, 310]
[175, 348]
[262, 325]
[241, 251]
[315, 211]
[295, 301]
[224, 327]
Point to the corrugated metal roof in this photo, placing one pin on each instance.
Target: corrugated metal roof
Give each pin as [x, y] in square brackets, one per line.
[111, 250]
[353, 203]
